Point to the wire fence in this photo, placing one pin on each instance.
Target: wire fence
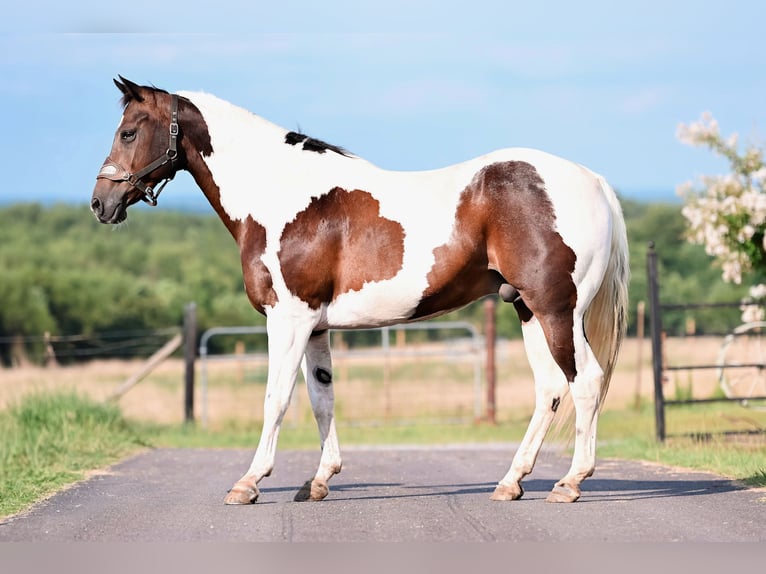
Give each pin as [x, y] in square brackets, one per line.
[431, 370]
[47, 348]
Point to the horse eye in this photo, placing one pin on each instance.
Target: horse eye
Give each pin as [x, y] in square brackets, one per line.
[128, 135]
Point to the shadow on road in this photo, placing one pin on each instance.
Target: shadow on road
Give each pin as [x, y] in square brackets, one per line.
[594, 490]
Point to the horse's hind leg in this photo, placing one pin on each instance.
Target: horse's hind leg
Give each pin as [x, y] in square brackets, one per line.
[586, 395]
[317, 370]
[550, 387]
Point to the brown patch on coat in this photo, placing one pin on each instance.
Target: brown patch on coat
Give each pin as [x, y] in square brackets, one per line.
[337, 244]
[195, 143]
[505, 233]
[194, 127]
[251, 239]
[258, 282]
[461, 272]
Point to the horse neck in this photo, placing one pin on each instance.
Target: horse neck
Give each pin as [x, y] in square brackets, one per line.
[250, 162]
[233, 132]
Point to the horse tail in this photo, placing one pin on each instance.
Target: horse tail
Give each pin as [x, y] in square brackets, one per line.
[607, 316]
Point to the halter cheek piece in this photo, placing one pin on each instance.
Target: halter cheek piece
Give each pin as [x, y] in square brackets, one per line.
[113, 171]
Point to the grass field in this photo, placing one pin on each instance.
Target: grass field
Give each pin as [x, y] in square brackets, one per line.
[56, 428]
[416, 387]
[53, 439]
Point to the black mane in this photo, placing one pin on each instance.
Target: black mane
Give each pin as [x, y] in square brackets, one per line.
[315, 145]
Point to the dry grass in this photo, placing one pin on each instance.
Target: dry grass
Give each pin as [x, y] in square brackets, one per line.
[422, 387]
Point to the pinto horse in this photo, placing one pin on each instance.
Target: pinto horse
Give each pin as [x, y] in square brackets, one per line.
[330, 241]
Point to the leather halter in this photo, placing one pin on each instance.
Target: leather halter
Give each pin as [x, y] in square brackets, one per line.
[113, 171]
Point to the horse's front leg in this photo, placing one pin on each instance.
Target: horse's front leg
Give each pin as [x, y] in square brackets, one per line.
[288, 334]
[317, 370]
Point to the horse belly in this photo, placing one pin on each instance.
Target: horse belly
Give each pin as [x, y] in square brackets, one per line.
[376, 304]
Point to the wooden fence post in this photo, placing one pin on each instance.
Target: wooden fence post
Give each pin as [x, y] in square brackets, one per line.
[656, 331]
[640, 319]
[190, 354]
[490, 339]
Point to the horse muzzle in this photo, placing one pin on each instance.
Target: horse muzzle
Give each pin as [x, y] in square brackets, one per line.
[109, 206]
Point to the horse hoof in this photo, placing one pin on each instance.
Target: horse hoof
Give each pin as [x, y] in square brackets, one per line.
[563, 493]
[507, 492]
[242, 493]
[314, 490]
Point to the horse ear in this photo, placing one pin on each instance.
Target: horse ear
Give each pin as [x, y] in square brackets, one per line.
[130, 90]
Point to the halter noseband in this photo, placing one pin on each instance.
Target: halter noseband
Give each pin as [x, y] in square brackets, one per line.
[113, 171]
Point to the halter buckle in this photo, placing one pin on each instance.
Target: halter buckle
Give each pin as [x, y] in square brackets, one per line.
[150, 197]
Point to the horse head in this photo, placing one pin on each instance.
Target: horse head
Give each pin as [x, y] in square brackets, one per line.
[145, 152]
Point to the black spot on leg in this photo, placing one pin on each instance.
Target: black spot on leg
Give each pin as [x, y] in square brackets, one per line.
[323, 376]
[555, 404]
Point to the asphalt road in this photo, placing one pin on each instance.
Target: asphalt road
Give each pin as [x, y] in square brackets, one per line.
[390, 494]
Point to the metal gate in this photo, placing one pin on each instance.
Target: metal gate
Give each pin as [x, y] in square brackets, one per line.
[466, 346]
[659, 366]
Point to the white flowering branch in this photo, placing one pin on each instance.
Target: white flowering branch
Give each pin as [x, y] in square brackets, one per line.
[727, 213]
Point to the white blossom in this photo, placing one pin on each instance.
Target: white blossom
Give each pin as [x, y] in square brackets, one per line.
[753, 310]
[758, 291]
[724, 213]
[752, 313]
[697, 132]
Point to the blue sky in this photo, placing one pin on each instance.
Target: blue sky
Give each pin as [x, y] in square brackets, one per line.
[404, 84]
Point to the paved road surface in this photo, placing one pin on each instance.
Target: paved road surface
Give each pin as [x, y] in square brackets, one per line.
[390, 494]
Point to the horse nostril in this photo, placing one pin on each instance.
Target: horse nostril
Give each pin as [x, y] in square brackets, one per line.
[95, 206]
